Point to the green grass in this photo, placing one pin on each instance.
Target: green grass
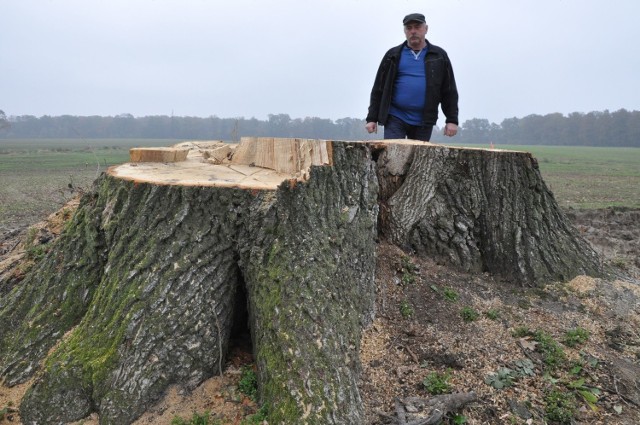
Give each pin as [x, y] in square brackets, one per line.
[406, 310]
[468, 314]
[39, 145]
[68, 154]
[591, 177]
[492, 314]
[588, 177]
[575, 337]
[36, 174]
[450, 295]
[248, 384]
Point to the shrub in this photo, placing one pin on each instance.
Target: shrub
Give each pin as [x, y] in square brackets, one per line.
[197, 419]
[575, 337]
[437, 383]
[248, 384]
[501, 379]
[405, 309]
[408, 270]
[492, 314]
[552, 353]
[469, 314]
[450, 295]
[560, 406]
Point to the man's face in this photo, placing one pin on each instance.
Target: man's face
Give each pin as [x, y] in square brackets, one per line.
[415, 33]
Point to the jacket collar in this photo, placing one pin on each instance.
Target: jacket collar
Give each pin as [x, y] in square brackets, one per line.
[399, 48]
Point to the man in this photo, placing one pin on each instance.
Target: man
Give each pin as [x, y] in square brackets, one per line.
[412, 80]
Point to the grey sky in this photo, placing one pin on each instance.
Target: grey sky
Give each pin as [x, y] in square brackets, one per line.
[318, 58]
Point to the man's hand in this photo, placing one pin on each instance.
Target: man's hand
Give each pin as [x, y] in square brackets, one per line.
[372, 127]
[449, 130]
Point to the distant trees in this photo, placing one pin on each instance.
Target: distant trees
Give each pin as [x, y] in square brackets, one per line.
[4, 123]
[196, 128]
[599, 128]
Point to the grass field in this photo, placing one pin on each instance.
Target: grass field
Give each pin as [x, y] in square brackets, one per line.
[37, 176]
[589, 177]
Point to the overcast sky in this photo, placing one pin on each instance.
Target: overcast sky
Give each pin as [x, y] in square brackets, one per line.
[251, 58]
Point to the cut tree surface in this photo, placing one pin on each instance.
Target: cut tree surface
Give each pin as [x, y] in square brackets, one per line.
[256, 163]
[158, 154]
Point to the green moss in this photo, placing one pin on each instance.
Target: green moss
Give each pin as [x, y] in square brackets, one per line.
[93, 346]
[284, 408]
[283, 279]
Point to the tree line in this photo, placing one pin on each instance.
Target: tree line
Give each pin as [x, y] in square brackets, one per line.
[599, 128]
[173, 127]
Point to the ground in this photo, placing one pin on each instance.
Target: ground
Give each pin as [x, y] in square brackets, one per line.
[439, 329]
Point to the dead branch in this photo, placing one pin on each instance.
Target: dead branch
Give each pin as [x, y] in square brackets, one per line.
[400, 411]
[433, 410]
[411, 353]
[428, 411]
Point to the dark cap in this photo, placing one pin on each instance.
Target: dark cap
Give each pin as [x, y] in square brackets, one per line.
[414, 17]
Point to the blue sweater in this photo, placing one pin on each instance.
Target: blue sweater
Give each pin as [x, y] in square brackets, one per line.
[410, 88]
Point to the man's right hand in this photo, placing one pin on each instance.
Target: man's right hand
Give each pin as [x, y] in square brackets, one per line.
[372, 127]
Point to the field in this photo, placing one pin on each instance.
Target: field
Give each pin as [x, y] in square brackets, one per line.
[588, 177]
[37, 176]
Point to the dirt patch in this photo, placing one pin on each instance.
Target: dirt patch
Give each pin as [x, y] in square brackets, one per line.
[470, 327]
[433, 321]
[615, 235]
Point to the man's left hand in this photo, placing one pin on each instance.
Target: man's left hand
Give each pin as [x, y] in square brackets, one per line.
[450, 129]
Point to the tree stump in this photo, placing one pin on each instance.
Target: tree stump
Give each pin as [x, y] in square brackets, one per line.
[142, 289]
[481, 211]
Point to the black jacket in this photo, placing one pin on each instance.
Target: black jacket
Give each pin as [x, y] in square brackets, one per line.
[441, 86]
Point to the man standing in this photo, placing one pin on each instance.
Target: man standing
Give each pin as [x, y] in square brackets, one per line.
[412, 80]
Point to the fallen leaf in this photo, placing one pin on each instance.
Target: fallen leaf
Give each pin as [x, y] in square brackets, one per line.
[528, 344]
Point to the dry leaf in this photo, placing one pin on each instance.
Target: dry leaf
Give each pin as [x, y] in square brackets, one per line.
[528, 344]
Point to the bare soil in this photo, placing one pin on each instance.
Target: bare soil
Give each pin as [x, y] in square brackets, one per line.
[420, 329]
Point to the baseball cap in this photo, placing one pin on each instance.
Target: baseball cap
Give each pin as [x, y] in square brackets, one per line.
[414, 17]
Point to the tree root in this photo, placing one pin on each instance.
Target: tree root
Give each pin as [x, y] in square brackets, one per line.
[423, 411]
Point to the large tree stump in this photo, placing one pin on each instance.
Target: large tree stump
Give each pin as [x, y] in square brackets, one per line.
[480, 210]
[140, 291]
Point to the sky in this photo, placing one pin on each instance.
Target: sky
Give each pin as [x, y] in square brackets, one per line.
[309, 58]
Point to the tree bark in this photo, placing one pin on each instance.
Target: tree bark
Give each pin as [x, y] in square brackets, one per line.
[481, 211]
[144, 281]
[140, 290]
